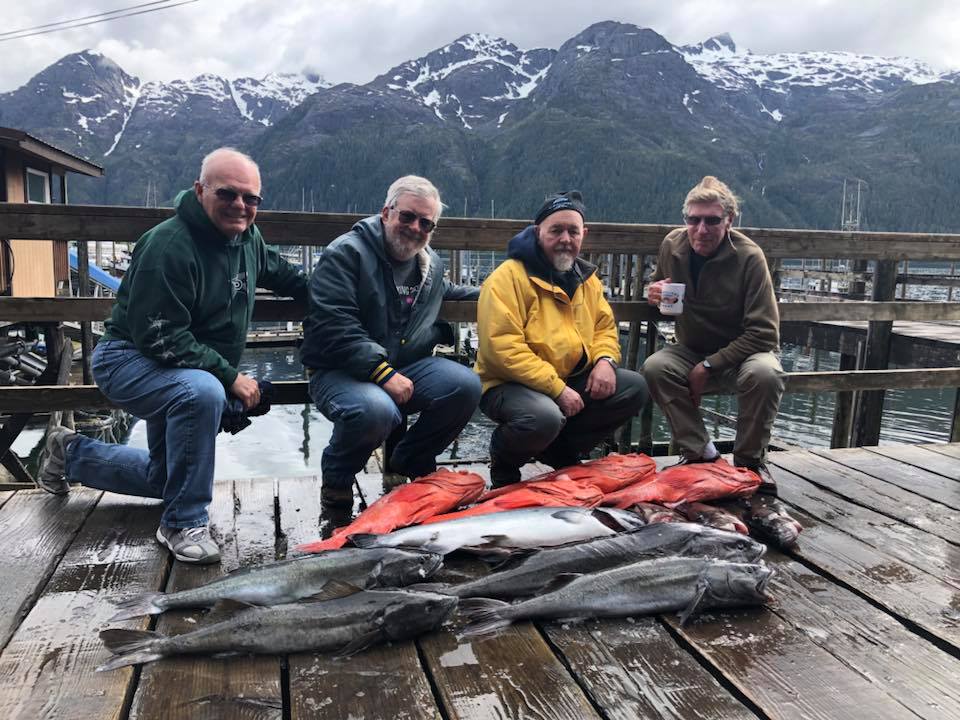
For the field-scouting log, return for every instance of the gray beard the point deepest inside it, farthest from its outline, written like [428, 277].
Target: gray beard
[401, 249]
[563, 263]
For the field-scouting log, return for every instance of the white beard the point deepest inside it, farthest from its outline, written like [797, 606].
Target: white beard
[562, 262]
[402, 248]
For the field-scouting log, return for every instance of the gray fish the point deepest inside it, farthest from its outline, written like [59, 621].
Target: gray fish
[343, 626]
[290, 580]
[499, 533]
[529, 574]
[767, 519]
[649, 587]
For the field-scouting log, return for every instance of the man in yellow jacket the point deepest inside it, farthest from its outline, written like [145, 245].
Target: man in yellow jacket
[549, 348]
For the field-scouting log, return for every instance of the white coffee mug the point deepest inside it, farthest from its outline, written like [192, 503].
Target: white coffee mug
[671, 298]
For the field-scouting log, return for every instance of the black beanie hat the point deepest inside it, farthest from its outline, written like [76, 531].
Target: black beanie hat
[571, 200]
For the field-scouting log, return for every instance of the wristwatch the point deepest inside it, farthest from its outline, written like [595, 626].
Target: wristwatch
[707, 365]
[613, 363]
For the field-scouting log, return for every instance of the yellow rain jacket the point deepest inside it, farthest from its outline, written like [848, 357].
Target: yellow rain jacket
[531, 332]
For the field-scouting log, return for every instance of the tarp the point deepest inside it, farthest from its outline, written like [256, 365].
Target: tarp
[97, 274]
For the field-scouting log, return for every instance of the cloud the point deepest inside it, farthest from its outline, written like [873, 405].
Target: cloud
[357, 40]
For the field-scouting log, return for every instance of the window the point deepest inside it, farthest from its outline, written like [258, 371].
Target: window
[38, 186]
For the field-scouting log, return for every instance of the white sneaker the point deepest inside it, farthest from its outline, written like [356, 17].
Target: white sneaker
[190, 545]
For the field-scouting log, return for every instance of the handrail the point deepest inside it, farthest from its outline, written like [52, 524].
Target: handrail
[46, 398]
[272, 310]
[91, 223]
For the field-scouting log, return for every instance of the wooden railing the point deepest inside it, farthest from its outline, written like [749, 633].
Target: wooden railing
[624, 250]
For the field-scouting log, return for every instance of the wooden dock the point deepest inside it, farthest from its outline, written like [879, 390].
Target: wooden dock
[865, 621]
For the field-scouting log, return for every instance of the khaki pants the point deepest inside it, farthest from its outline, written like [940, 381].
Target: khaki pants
[757, 382]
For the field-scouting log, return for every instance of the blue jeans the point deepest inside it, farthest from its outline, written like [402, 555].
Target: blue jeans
[363, 415]
[182, 409]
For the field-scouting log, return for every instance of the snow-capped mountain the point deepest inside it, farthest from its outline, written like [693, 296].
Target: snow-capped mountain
[614, 108]
[474, 80]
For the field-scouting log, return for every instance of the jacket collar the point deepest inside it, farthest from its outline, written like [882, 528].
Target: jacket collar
[190, 211]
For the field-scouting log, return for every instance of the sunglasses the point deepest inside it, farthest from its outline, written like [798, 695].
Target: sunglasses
[694, 220]
[230, 196]
[407, 217]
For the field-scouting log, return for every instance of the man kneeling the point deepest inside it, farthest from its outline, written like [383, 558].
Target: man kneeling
[549, 348]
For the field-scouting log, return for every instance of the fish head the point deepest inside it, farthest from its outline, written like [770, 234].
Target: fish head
[738, 583]
[725, 545]
[619, 520]
[409, 566]
[415, 613]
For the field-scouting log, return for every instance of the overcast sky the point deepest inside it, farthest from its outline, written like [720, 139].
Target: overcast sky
[355, 40]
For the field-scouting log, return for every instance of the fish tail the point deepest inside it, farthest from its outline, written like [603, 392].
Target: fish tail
[147, 604]
[484, 616]
[131, 647]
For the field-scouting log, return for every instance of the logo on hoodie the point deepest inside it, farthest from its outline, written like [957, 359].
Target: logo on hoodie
[239, 283]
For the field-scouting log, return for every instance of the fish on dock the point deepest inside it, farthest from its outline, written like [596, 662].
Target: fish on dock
[608, 474]
[343, 626]
[713, 516]
[688, 483]
[503, 532]
[559, 492]
[290, 580]
[649, 587]
[408, 504]
[529, 574]
[653, 513]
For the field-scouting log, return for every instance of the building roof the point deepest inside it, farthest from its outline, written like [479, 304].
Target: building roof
[36, 148]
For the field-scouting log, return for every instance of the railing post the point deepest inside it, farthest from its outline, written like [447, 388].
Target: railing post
[866, 429]
[955, 423]
[86, 333]
[843, 411]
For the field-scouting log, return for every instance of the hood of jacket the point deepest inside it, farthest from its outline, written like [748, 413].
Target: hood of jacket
[201, 226]
[525, 248]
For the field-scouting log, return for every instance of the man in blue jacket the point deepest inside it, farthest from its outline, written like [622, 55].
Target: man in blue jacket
[368, 338]
[171, 349]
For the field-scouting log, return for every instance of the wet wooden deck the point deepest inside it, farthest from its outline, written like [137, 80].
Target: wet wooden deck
[866, 622]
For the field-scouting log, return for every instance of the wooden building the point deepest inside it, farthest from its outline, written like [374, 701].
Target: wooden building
[33, 171]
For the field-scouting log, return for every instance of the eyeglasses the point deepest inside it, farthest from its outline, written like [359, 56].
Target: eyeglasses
[408, 216]
[230, 196]
[694, 220]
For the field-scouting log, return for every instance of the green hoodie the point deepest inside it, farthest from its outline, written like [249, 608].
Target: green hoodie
[187, 298]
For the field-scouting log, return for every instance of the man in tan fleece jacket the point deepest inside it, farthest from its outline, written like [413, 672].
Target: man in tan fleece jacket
[727, 335]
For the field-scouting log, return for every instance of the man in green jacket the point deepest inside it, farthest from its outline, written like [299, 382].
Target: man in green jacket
[728, 334]
[171, 349]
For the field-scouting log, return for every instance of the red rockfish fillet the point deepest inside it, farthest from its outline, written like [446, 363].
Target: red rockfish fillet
[688, 483]
[409, 504]
[607, 474]
[541, 493]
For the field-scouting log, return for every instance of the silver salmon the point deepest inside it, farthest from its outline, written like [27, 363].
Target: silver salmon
[686, 585]
[502, 532]
[528, 575]
[291, 580]
[343, 626]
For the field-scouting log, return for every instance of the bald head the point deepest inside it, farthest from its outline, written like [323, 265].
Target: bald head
[229, 190]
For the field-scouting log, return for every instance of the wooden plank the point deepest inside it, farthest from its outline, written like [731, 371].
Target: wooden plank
[4, 496]
[911, 478]
[913, 671]
[242, 520]
[47, 398]
[782, 672]
[126, 224]
[901, 588]
[35, 530]
[922, 457]
[270, 309]
[888, 535]
[635, 669]
[510, 675]
[951, 449]
[48, 666]
[383, 682]
[859, 488]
